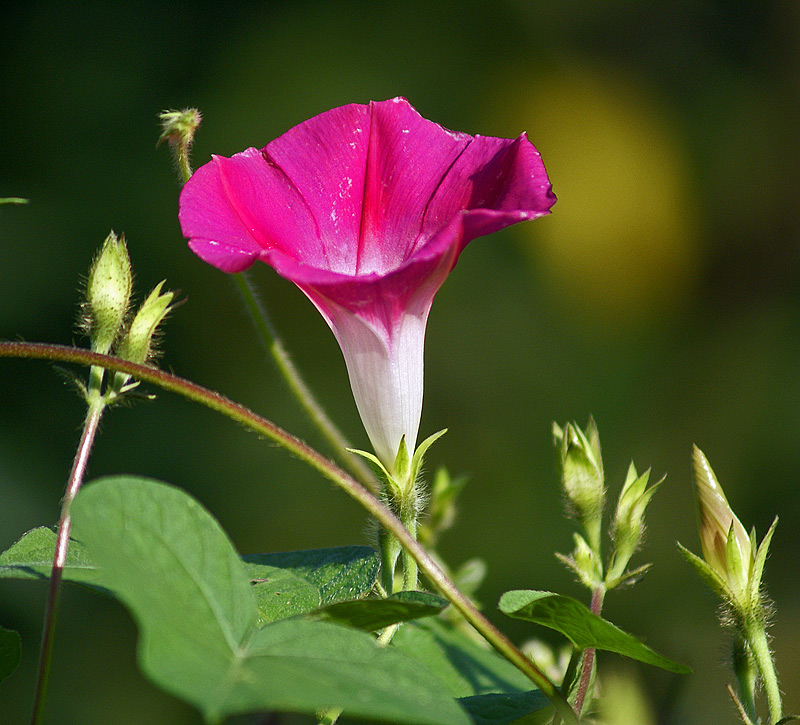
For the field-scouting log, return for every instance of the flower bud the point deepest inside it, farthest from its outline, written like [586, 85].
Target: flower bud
[108, 291]
[581, 467]
[726, 546]
[627, 527]
[137, 346]
[584, 562]
[178, 127]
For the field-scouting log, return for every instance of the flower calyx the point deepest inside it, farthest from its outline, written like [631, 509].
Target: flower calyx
[401, 478]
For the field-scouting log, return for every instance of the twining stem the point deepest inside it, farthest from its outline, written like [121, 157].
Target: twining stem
[327, 468]
[94, 414]
[587, 662]
[756, 634]
[297, 386]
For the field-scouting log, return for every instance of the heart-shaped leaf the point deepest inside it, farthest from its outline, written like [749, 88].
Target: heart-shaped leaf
[173, 566]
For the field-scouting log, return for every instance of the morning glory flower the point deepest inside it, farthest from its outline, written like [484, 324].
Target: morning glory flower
[366, 209]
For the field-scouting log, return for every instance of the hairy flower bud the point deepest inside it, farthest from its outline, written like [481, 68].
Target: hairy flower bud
[178, 127]
[627, 528]
[726, 545]
[138, 343]
[581, 467]
[108, 292]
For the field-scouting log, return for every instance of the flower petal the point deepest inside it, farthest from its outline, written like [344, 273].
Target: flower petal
[496, 182]
[408, 158]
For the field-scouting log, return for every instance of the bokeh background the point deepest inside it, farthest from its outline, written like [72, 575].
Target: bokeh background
[662, 295]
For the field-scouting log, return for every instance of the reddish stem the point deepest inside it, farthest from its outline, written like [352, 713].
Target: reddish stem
[62, 544]
[588, 656]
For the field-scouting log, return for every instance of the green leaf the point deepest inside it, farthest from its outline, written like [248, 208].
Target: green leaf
[32, 558]
[283, 595]
[10, 651]
[173, 566]
[371, 615]
[341, 573]
[519, 707]
[464, 666]
[583, 628]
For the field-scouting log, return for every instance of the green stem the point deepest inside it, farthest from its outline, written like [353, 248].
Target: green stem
[332, 435]
[90, 426]
[408, 515]
[756, 635]
[329, 470]
[389, 549]
[744, 667]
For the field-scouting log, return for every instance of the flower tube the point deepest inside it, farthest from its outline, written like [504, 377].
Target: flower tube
[366, 209]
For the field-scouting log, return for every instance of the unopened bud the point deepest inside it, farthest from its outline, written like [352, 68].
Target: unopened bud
[108, 292]
[178, 127]
[627, 527]
[581, 467]
[727, 548]
[585, 563]
[138, 343]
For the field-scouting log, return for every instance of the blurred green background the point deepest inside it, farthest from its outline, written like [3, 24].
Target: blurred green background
[661, 296]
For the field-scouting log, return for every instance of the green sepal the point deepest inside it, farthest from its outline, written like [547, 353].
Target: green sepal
[373, 459]
[707, 573]
[419, 454]
[760, 560]
[738, 570]
[593, 437]
[402, 464]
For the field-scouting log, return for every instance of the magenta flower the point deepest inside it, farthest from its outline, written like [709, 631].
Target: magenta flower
[366, 209]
